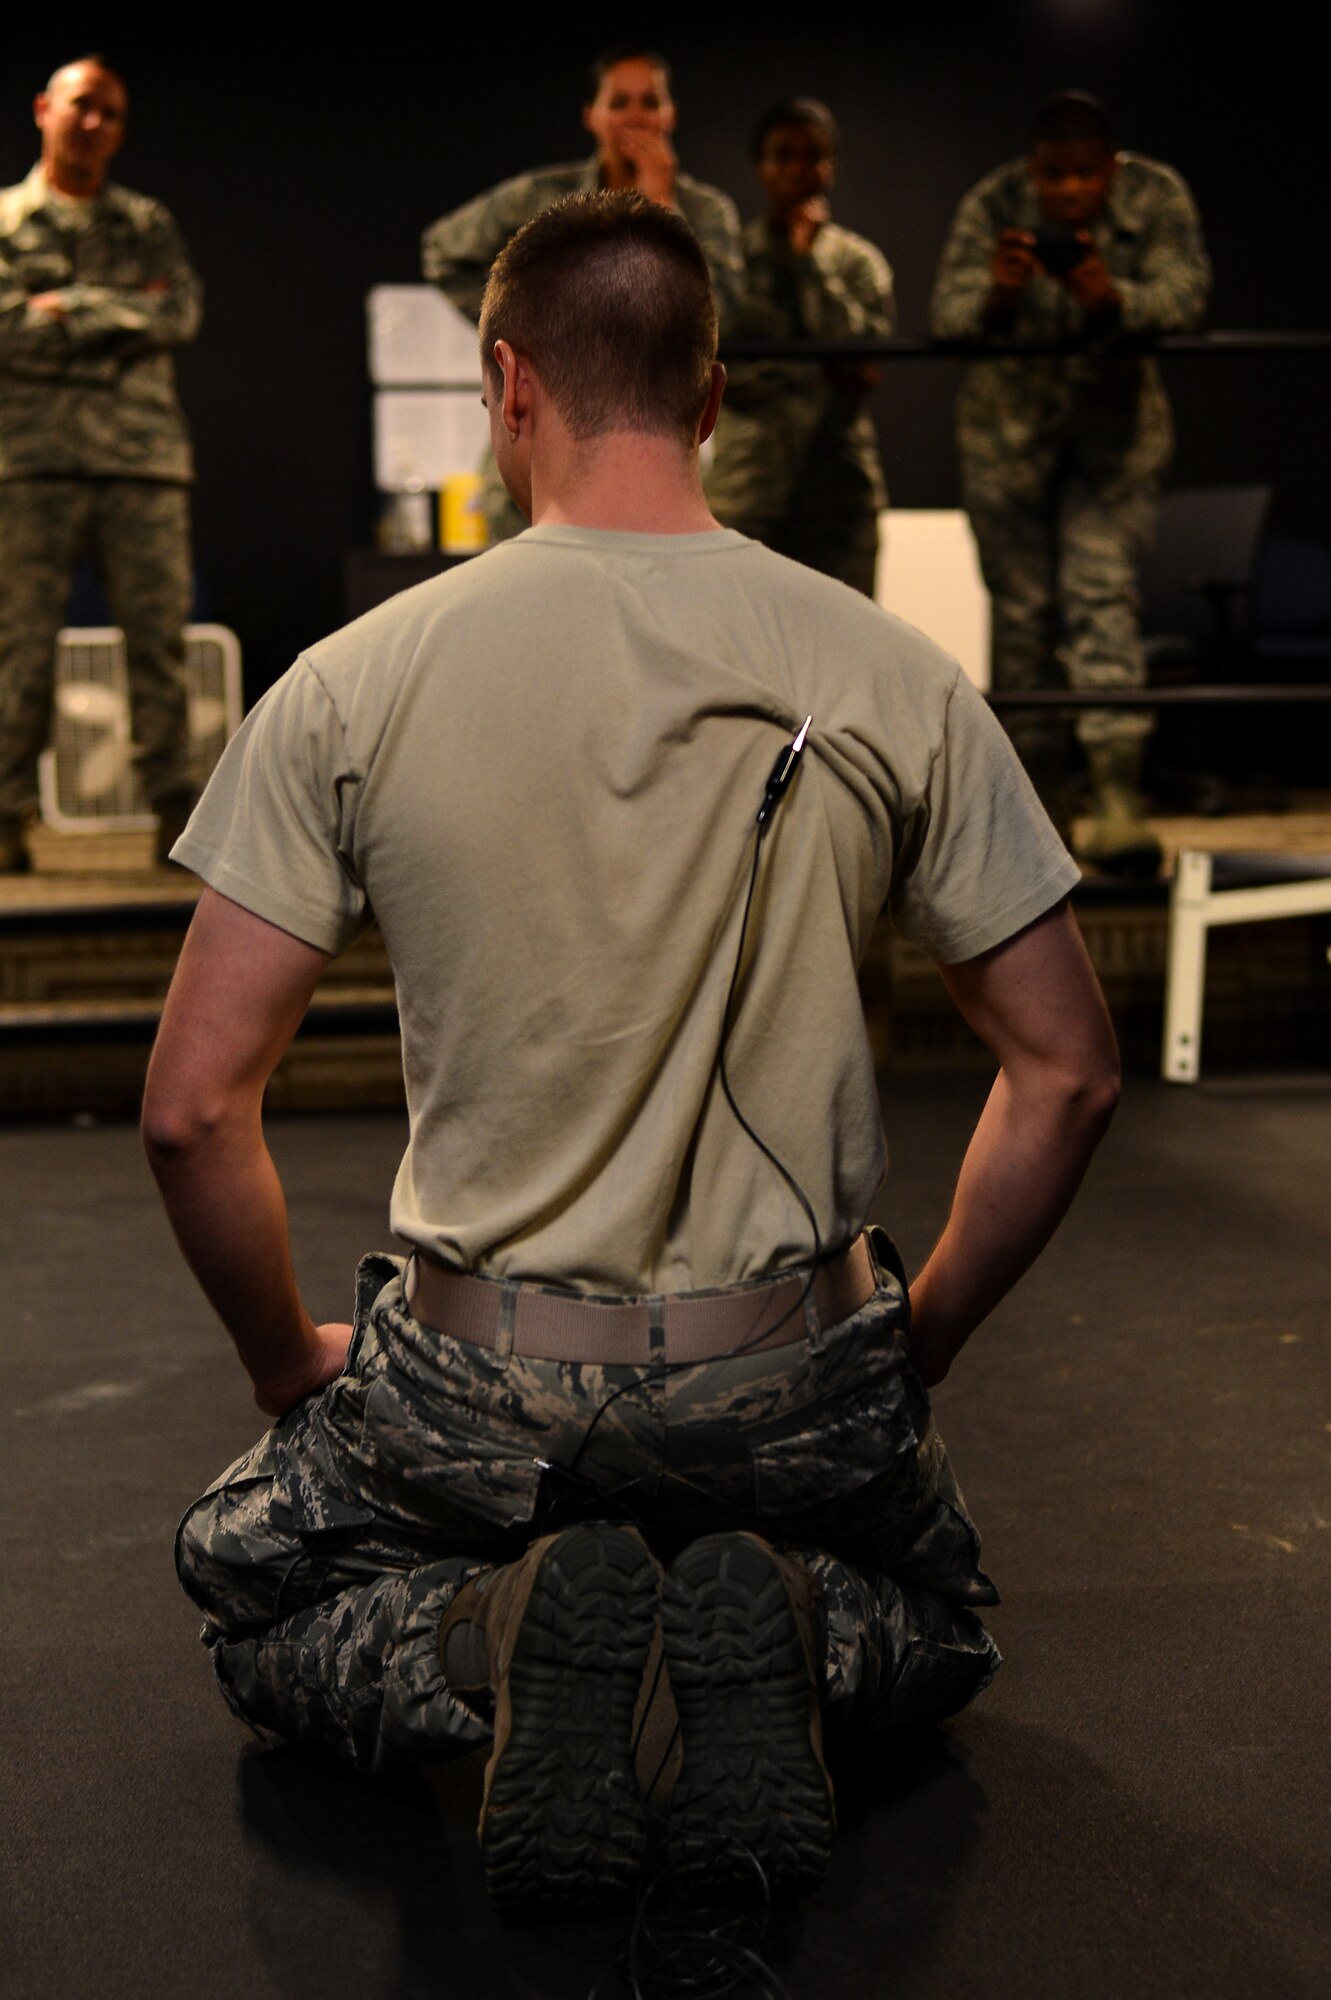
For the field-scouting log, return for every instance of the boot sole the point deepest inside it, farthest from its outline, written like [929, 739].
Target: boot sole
[563, 1826]
[752, 1785]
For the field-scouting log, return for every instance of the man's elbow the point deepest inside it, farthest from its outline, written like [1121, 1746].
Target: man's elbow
[1092, 1090]
[1074, 1089]
[176, 1129]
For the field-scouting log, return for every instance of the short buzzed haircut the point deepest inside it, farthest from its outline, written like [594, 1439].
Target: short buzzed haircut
[609, 297]
[1072, 118]
[795, 111]
[623, 52]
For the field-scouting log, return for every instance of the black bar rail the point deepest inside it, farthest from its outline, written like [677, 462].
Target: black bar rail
[1202, 694]
[908, 347]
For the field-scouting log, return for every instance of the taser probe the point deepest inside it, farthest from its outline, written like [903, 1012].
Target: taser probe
[782, 772]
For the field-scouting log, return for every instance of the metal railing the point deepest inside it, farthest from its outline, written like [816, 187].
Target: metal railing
[911, 347]
[1220, 341]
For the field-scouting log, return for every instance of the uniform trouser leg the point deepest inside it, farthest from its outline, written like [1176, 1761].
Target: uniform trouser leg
[43, 526]
[325, 1558]
[1103, 534]
[845, 548]
[898, 1656]
[831, 521]
[326, 1636]
[1016, 543]
[751, 481]
[810, 504]
[358, 1675]
[141, 536]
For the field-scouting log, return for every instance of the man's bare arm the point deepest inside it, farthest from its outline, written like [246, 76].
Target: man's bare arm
[238, 996]
[1035, 1002]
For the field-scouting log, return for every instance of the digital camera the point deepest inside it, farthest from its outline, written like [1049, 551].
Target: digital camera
[1059, 253]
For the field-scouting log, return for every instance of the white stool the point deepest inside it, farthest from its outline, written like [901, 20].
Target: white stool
[1211, 889]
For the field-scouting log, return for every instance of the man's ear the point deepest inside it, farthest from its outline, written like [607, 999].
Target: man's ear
[515, 403]
[40, 104]
[712, 409]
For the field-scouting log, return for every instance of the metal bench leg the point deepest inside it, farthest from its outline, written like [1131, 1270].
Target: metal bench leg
[1185, 970]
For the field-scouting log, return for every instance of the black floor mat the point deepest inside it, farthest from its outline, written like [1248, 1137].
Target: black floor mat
[1137, 1807]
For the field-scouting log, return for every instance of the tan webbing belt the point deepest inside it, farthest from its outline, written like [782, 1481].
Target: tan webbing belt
[549, 1325]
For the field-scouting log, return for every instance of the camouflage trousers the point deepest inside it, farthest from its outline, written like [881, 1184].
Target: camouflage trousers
[1062, 579]
[324, 1559]
[137, 533]
[844, 546]
[811, 494]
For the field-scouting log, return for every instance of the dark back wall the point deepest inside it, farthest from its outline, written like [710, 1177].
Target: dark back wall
[303, 164]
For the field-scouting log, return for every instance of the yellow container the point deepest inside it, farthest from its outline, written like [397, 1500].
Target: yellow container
[462, 525]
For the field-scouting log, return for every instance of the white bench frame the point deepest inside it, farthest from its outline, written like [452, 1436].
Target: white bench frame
[1196, 908]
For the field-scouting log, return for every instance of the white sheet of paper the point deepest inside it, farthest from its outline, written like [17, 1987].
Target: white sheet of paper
[423, 435]
[417, 337]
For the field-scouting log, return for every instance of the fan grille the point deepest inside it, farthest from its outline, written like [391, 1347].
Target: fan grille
[88, 778]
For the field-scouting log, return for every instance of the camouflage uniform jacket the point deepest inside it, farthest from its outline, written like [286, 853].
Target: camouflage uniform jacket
[1017, 417]
[458, 250]
[840, 290]
[90, 392]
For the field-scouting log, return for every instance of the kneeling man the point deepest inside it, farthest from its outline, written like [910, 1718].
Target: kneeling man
[646, 1390]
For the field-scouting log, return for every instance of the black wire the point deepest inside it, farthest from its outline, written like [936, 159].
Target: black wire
[687, 1951]
[691, 1953]
[759, 1142]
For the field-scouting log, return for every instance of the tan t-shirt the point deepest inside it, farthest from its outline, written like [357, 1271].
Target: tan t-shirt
[541, 773]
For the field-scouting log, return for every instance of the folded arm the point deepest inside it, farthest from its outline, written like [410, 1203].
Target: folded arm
[238, 996]
[458, 250]
[106, 323]
[1036, 1004]
[848, 298]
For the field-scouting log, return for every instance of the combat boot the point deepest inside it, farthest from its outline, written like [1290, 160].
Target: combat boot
[14, 858]
[745, 1639]
[1117, 839]
[559, 1643]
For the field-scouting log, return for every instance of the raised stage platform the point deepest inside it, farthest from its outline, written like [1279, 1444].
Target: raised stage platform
[88, 941]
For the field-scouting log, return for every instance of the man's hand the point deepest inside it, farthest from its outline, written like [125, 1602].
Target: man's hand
[854, 378]
[327, 1361]
[1013, 266]
[54, 302]
[1015, 262]
[1090, 283]
[804, 221]
[654, 164]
